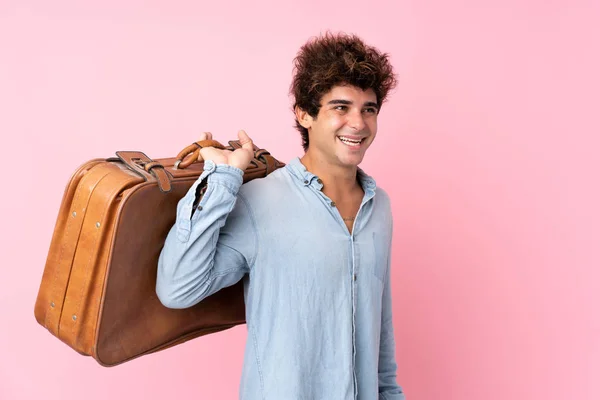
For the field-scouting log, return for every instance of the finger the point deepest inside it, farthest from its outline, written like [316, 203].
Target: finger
[216, 155]
[208, 136]
[245, 140]
[203, 136]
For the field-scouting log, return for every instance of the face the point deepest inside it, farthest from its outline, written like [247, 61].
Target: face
[345, 126]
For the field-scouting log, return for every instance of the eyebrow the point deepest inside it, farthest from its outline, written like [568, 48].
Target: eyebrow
[348, 102]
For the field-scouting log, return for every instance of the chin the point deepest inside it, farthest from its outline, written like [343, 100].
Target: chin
[350, 162]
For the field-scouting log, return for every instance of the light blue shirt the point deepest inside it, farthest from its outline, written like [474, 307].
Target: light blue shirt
[318, 299]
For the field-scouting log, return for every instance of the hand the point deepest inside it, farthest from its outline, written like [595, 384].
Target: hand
[239, 158]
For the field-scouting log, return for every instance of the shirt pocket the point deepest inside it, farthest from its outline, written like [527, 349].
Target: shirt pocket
[381, 253]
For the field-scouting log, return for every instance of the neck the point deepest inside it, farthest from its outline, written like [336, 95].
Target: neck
[337, 180]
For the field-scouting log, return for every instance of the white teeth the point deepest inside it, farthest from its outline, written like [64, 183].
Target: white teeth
[350, 141]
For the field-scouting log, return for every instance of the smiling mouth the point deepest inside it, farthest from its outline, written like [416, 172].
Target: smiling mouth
[351, 142]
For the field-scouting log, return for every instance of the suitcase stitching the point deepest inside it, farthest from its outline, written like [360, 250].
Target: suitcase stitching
[62, 249]
[87, 277]
[60, 256]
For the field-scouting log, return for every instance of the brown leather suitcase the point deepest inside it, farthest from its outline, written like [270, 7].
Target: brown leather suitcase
[98, 287]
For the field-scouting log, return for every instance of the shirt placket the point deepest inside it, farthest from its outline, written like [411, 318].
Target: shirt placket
[355, 257]
[355, 268]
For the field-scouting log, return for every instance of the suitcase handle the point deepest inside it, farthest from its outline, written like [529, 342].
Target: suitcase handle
[191, 153]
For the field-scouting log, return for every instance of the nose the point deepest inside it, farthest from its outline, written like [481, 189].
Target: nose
[356, 120]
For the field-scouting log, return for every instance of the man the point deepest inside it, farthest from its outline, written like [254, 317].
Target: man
[311, 241]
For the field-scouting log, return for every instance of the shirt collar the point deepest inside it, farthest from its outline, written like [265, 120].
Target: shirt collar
[306, 178]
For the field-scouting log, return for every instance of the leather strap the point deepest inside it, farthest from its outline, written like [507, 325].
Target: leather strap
[150, 170]
[266, 157]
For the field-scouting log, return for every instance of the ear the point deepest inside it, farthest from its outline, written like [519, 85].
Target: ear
[303, 118]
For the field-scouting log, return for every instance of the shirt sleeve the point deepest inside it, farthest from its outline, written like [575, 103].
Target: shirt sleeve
[388, 386]
[210, 247]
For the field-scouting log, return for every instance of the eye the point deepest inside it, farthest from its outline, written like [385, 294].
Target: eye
[341, 108]
[370, 110]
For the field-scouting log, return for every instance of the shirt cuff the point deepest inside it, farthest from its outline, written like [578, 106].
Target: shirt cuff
[223, 174]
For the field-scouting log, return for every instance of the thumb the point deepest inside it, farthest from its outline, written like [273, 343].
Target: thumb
[245, 141]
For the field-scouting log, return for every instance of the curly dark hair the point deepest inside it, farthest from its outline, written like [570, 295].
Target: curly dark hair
[335, 59]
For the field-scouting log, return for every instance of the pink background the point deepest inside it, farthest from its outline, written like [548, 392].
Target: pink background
[489, 148]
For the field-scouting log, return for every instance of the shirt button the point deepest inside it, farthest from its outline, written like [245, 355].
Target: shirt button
[319, 181]
[306, 182]
[354, 276]
[332, 204]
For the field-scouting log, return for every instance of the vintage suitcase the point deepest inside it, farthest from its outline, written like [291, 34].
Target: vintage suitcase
[98, 287]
